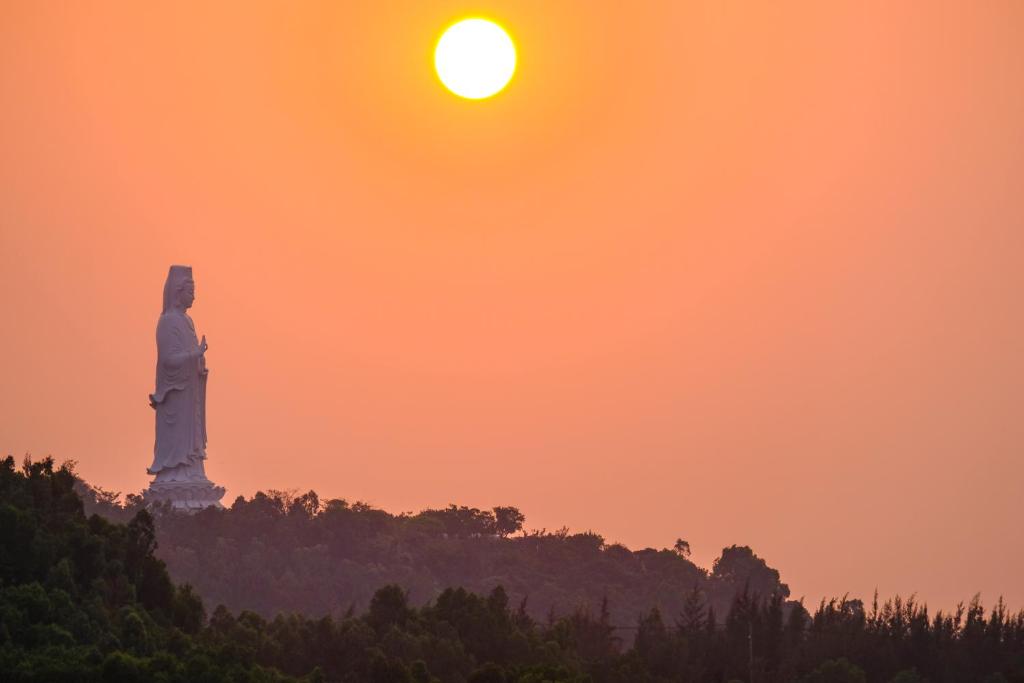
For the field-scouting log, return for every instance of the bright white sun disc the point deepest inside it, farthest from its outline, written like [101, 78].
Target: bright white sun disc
[475, 58]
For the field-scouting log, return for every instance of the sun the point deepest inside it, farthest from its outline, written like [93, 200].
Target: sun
[475, 58]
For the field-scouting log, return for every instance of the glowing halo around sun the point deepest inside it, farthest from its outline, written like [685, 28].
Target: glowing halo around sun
[475, 58]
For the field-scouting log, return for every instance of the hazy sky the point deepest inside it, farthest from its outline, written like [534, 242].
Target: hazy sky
[736, 272]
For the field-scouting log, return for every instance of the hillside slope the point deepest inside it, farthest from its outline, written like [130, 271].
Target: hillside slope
[283, 553]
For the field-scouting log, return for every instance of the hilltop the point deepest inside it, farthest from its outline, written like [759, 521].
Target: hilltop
[281, 552]
[83, 598]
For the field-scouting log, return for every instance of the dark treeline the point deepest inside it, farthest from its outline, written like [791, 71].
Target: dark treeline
[279, 552]
[84, 599]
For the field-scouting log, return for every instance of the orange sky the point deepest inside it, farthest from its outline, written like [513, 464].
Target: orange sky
[737, 272]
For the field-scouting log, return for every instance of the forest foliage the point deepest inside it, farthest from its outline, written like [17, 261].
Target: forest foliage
[283, 552]
[86, 599]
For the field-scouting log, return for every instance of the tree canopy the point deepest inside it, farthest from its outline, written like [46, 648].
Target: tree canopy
[285, 552]
[87, 599]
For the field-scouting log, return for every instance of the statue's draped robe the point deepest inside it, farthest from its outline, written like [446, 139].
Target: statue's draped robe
[180, 398]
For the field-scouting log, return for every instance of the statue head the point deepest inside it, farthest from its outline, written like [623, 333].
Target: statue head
[180, 289]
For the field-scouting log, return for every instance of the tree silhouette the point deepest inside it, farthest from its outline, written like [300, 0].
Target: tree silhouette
[508, 520]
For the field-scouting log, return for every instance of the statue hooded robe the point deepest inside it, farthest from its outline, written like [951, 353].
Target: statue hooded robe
[180, 396]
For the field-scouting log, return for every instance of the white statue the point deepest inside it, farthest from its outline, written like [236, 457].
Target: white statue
[180, 403]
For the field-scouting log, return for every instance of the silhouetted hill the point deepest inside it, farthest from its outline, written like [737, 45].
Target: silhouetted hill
[86, 599]
[278, 552]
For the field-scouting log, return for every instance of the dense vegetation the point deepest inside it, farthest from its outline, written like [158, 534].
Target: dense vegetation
[82, 598]
[279, 552]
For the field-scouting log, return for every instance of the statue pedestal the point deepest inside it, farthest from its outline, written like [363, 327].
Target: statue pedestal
[185, 496]
[185, 487]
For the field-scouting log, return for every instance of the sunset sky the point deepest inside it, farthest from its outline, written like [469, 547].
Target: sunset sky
[733, 272]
